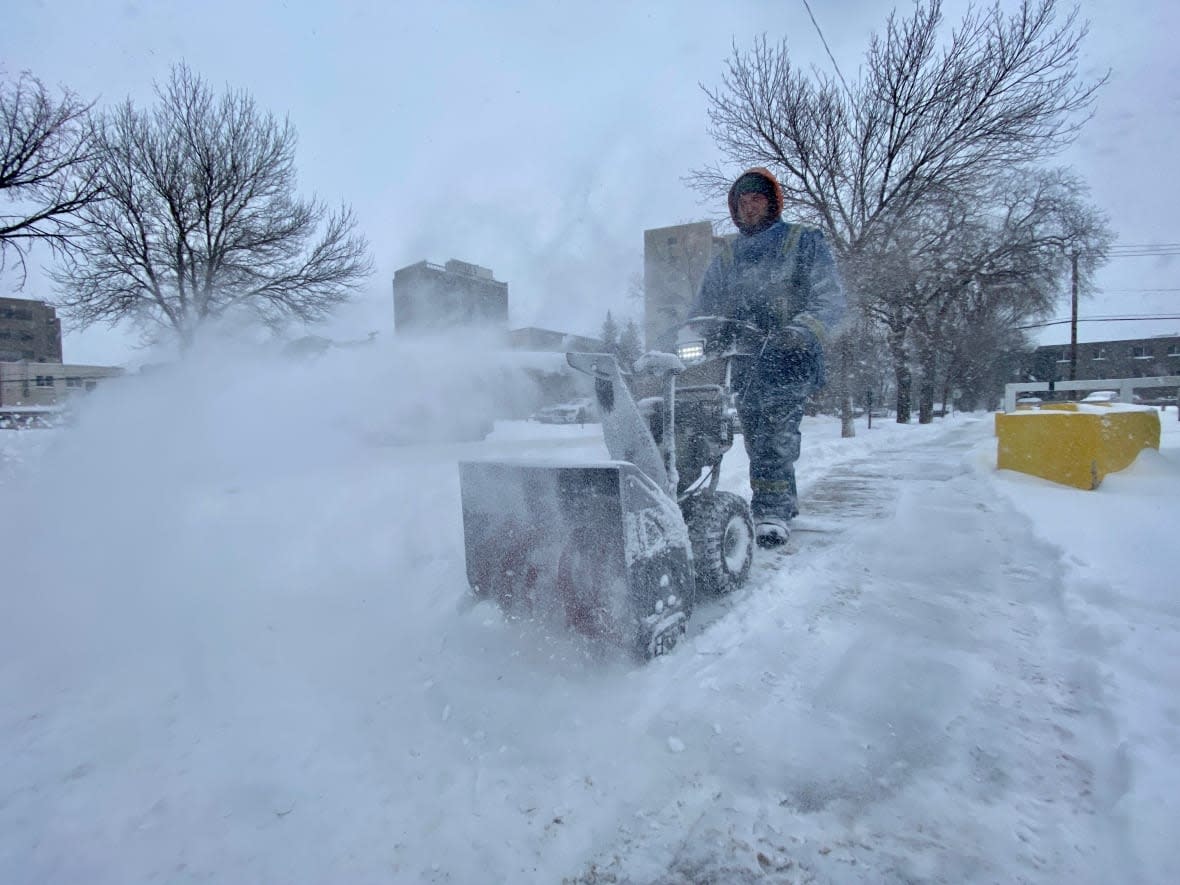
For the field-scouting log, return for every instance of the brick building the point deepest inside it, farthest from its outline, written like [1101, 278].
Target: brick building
[1097, 360]
[27, 383]
[32, 373]
[29, 330]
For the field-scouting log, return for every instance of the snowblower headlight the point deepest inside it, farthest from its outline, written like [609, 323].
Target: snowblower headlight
[691, 350]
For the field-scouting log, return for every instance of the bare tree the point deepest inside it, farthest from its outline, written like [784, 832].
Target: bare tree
[926, 118]
[859, 369]
[1003, 92]
[1003, 260]
[982, 349]
[908, 264]
[46, 175]
[200, 220]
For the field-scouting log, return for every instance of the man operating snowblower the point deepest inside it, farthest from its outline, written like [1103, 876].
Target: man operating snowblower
[619, 550]
[782, 279]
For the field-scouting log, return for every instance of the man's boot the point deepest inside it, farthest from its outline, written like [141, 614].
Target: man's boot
[771, 531]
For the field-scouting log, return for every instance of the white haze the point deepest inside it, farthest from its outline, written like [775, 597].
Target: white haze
[234, 647]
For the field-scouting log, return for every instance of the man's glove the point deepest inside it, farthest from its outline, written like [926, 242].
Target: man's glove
[793, 338]
[794, 354]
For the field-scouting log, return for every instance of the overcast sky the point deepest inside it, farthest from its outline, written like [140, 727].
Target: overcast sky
[541, 138]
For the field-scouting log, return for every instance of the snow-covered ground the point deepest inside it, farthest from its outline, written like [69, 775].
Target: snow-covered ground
[234, 648]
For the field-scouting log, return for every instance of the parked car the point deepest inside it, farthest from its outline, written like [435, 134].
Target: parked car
[1101, 396]
[576, 412]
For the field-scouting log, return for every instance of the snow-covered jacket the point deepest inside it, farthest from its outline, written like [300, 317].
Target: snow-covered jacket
[783, 280]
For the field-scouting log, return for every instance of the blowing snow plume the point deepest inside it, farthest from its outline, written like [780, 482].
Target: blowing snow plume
[215, 577]
[190, 496]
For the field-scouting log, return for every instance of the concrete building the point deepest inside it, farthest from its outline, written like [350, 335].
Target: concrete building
[435, 298]
[29, 330]
[27, 383]
[1154, 357]
[674, 262]
[1128, 358]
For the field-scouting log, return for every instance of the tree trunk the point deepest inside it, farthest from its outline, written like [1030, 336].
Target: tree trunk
[901, 371]
[847, 426]
[928, 360]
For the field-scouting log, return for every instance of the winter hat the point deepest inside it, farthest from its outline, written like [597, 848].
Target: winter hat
[757, 181]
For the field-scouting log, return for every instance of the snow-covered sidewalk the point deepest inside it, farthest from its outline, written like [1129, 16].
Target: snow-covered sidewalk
[915, 698]
[243, 657]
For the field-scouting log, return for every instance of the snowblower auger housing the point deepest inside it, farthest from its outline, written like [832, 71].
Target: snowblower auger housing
[614, 550]
[593, 548]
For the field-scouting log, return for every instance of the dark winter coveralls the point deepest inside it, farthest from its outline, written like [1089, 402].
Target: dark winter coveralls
[781, 278]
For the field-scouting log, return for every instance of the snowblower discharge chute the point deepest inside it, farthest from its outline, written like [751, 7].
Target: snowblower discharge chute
[617, 550]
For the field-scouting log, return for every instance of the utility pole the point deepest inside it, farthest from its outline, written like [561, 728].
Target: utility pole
[1073, 317]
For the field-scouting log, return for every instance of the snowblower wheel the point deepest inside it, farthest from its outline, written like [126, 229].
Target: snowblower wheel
[722, 534]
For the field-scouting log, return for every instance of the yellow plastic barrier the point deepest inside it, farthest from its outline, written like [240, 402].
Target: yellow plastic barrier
[1074, 447]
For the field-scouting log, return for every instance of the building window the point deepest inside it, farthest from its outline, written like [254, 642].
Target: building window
[44, 381]
[1063, 356]
[90, 385]
[73, 382]
[1139, 352]
[1174, 350]
[1100, 353]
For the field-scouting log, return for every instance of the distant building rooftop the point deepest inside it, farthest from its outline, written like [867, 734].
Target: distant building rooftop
[535, 338]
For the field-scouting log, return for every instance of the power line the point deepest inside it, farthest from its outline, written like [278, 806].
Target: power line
[1104, 319]
[827, 49]
[1143, 250]
[1137, 291]
[1144, 254]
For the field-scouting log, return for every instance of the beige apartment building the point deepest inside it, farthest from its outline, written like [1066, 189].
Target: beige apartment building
[674, 263]
[27, 383]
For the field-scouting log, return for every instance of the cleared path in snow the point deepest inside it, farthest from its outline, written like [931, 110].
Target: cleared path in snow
[903, 697]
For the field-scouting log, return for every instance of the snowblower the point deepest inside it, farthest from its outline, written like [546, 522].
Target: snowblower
[618, 551]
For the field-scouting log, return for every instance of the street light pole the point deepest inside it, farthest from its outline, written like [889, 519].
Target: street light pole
[1073, 317]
